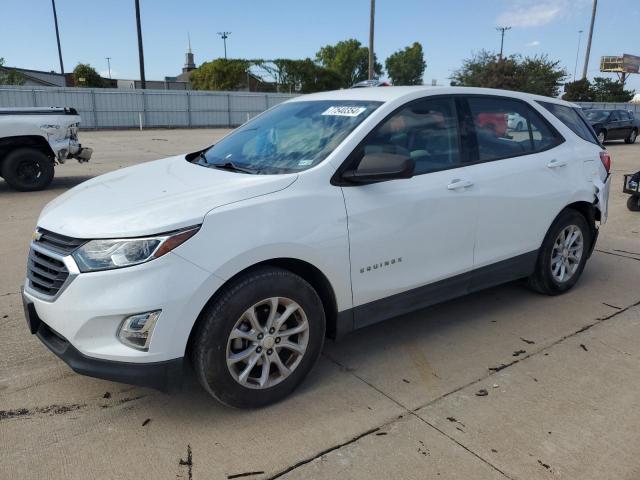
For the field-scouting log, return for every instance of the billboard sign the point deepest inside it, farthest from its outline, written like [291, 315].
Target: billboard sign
[630, 63]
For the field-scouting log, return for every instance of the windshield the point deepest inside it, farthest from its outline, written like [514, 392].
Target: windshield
[595, 116]
[290, 137]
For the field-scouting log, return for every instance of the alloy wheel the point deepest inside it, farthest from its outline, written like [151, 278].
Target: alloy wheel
[567, 252]
[267, 343]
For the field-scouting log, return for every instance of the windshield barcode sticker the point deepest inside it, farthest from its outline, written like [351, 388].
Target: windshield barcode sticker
[344, 111]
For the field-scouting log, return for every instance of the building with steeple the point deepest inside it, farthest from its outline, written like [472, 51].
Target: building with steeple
[189, 64]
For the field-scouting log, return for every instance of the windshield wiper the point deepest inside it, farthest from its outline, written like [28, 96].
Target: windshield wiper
[232, 167]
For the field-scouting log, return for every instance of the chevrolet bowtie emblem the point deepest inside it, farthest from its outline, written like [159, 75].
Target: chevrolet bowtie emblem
[36, 236]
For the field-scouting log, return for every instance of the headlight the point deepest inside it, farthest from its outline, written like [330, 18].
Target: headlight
[125, 252]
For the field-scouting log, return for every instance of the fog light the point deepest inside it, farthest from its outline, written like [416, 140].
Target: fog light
[135, 331]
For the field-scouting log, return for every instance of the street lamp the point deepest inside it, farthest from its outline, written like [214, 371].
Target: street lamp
[224, 36]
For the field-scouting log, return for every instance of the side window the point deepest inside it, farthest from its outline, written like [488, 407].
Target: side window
[508, 128]
[615, 116]
[572, 118]
[426, 130]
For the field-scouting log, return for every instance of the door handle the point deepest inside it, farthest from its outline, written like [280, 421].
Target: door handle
[556, 163]
[457, 184]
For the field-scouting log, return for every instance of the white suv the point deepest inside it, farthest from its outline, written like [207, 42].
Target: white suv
[324, 214]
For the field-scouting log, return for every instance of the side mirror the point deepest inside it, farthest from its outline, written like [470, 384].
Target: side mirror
[380, 167]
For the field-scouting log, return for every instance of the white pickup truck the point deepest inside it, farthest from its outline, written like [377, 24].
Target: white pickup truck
[33, 140]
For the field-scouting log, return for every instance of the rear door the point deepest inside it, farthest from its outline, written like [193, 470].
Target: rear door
[522, 181]
[411, 240]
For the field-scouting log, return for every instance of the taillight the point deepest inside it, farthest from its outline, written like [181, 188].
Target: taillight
[605, 158]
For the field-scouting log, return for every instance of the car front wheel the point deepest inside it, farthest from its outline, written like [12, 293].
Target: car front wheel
[602, 136]
[563, 254]
[261, 337]
[632, 137]
[633, 203]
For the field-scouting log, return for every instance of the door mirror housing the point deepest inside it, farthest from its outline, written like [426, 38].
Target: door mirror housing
[381, 167]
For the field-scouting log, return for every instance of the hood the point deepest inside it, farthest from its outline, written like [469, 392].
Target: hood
[151, 198]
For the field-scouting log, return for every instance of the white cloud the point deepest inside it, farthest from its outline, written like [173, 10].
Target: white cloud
[535, 43]
[532, 13]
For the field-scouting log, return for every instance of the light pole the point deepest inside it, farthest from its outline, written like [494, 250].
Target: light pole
[575, 68]
[224, 36]
[109, 66]
[502, 30]
[55, 21]
[586, 56]
[371, 30]
[143, 82]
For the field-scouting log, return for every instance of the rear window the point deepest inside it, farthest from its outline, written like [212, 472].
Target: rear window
[572, 118]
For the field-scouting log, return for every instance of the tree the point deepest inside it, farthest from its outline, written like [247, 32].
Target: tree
[607, 90]
[84, 75]
[537, 74]
[302, 76]
[349, 59]
[405, 67]
[578, 91]
[10, 77]
[220, 74]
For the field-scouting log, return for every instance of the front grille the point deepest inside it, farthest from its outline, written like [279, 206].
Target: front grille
[57, 243]
[45, 273]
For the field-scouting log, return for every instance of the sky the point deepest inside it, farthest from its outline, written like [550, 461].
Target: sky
[449, 31]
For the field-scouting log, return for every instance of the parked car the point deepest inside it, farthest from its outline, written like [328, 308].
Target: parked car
[33, 140]
[327, 213]
[371, 83]
[516, 122]
[613, 125]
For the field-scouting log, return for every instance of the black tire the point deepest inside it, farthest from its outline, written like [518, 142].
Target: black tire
[602, 136]
[27, 169]
[542, 279]
[633, 203]
[519, 127]
[632, 136]
[208, 349]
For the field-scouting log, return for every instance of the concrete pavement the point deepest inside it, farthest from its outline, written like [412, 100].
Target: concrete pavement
[395, 400]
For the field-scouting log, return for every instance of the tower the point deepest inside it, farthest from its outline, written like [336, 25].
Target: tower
[189, 63]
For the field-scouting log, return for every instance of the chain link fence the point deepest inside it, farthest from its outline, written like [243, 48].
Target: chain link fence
[111, 108]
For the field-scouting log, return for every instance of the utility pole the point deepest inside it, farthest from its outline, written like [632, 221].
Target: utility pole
[143, 82]
[55, 21]
[224, 36]
[502, 30]
[575, 68]
[371, 30]
[586, 57]
[109, 66]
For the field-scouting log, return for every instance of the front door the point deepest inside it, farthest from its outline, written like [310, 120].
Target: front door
[411, 240]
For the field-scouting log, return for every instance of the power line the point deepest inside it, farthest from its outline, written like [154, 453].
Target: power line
[502, 30]
[224, 36]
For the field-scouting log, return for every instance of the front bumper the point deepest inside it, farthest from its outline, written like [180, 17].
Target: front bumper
[165, 376]
[70, 148]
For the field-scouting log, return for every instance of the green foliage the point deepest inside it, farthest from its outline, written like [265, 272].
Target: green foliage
[607, 90]
[84, 75]
[578, 91]
[302, 76]
[601, 90]
[405, 67]
[10, 77]
[220, 74]
[349, 59]
[537, 74]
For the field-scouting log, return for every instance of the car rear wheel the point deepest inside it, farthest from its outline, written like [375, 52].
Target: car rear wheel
[563, 254]
[27, 169]
[633, 203]
[602, 136]
[261, 337]
[632, 137]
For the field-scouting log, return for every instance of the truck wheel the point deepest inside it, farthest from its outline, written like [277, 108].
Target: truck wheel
[563, 254]
[261, 337]
[27, 169]
[633, 203]
[632, 137]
